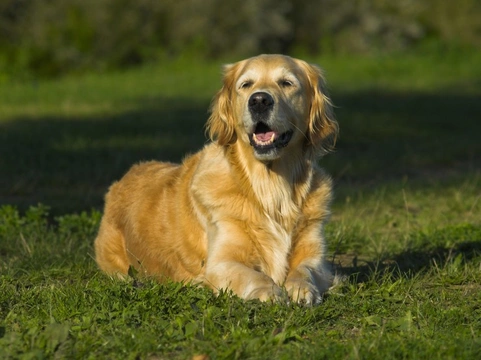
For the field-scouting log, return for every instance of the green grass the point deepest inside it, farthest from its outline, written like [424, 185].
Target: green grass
[405, 233]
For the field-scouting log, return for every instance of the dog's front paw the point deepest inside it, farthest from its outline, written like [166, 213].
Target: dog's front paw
[270, 292]
[303, 291]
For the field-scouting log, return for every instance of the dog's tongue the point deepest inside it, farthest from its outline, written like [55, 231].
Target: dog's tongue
[265, 136]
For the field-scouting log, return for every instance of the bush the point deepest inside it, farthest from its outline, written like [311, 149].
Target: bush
[52, 37]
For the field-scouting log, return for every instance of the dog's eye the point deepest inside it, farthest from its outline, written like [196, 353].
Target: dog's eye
[286, 83]
[246, 85]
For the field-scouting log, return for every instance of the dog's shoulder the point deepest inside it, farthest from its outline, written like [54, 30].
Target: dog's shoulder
[214, 182]
[211, 165]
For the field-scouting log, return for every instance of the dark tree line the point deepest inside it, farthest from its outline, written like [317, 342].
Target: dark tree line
[50, 37]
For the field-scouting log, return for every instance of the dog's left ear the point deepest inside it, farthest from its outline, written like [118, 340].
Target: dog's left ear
[323, 128]
[221, 124]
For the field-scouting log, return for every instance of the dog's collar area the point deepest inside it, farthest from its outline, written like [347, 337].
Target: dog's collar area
[264, 139]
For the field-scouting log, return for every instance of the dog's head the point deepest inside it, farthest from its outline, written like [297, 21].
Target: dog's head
[273, 102]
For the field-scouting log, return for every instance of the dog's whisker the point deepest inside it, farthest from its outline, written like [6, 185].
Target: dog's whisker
[297, 128]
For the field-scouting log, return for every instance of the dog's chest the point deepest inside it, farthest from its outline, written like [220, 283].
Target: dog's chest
[275, 250]
[278, 226]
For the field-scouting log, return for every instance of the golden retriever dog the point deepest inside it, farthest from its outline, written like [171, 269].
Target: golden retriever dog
[245, 213]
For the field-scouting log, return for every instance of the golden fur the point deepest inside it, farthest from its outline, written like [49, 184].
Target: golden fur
[245, 213]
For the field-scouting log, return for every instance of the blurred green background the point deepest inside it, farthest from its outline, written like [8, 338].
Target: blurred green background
[52, 37]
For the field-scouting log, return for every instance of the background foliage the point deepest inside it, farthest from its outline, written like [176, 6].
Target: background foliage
[51, 37]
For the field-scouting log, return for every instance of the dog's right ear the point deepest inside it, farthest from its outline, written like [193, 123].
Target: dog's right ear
[221, 124]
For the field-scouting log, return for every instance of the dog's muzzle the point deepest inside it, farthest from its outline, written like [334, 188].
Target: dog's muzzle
[265, 138]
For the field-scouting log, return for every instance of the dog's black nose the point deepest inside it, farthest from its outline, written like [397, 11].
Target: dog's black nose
[260, 102]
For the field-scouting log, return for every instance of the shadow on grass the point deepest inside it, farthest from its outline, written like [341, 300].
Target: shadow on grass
[386, 135]
[409, 263]
[68, 164]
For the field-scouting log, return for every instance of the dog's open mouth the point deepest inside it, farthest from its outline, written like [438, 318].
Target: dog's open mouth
[264, 138]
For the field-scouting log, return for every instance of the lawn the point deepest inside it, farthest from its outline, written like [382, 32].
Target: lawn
[405, 233]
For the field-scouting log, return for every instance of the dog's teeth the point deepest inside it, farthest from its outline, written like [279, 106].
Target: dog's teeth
[268, 142]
